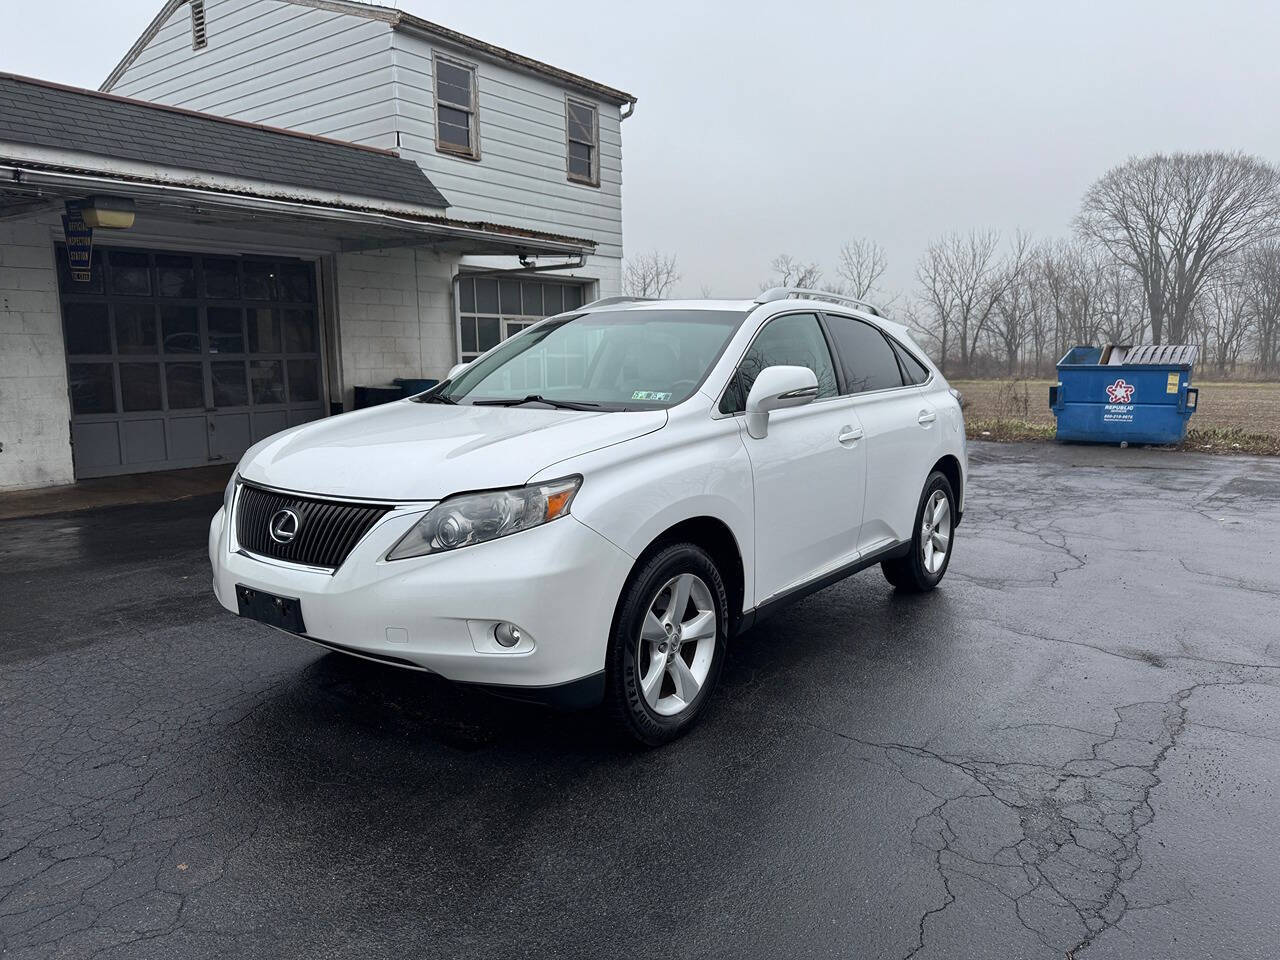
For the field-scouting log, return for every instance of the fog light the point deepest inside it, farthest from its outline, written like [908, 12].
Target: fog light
[507, 634]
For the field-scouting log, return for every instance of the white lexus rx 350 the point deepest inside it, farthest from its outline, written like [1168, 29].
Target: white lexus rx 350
[592, 509]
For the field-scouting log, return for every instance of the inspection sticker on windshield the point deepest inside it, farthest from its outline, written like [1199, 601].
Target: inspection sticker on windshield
[651, 395]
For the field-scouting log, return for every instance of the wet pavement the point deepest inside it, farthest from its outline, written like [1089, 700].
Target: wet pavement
[1071, 749]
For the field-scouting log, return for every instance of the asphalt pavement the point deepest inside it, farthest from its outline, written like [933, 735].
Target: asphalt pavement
[1071, 749]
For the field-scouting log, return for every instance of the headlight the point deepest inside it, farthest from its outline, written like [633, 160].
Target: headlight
[472, 518]
[229, 494]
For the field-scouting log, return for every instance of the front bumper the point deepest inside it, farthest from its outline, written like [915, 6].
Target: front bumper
[559, 583]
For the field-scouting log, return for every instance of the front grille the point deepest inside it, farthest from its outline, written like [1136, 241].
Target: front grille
[327, 531]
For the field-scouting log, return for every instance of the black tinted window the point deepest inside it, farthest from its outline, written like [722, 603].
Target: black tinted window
[795, 340]
[867, 358]
[916, 372]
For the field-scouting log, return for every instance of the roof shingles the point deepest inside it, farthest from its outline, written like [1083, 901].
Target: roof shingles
[40, 114]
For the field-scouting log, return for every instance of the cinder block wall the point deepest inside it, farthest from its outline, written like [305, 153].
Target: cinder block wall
[395, 316]
[34, 411]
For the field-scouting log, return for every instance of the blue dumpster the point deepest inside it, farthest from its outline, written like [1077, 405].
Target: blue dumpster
[1124, 394]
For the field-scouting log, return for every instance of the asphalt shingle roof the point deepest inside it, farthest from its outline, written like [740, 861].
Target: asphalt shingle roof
[36, 113]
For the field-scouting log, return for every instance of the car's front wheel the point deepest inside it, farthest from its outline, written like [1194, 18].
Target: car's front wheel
[926, 563]
[668, 644]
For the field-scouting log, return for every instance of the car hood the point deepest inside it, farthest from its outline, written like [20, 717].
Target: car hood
[426, 451]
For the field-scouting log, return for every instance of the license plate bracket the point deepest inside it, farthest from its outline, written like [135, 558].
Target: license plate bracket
[282, 612]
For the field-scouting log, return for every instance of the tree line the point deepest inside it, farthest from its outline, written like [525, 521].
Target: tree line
[1168, 248]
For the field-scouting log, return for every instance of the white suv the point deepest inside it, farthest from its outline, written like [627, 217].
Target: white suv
[594, 508]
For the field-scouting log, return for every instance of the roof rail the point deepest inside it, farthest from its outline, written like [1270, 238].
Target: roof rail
[787, 293]
[609, 301]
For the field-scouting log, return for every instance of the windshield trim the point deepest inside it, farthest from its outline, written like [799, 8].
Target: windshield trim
[600, 406]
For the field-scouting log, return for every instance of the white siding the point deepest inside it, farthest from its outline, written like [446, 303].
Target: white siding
[275, 63]
[520, 178]
[34, 411]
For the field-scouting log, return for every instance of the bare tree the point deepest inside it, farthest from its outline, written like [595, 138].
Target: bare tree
[964, 278]
[1174, 220]
[862, 264]
[1222, 313]
[649, 275]
[790, 272]
[1262, 294]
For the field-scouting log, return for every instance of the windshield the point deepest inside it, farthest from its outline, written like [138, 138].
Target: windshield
[611, 360]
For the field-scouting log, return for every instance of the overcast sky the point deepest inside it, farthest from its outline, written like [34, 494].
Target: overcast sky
[788, 127]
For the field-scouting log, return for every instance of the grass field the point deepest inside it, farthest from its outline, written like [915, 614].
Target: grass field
[1232, 417]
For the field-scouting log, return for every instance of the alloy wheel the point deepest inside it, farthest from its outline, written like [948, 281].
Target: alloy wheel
[676, 645]
[935, 532]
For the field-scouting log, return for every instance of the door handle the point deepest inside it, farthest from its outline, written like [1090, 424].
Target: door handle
[926, 417]
[849, 435]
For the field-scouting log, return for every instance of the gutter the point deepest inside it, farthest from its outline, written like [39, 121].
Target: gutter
[297, 208]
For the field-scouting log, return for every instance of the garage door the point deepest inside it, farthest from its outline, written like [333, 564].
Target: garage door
[182, 359]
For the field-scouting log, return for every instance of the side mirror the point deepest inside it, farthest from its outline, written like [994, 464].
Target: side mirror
[777, 388]
[456, 369]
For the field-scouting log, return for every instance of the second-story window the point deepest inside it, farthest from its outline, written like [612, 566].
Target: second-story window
[583, 143]
[456, 131]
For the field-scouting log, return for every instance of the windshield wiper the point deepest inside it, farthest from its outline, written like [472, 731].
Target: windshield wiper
[536, 398]
[436, 398]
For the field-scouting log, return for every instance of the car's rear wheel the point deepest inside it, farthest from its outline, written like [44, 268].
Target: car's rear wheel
[668, 644]
[926, 563]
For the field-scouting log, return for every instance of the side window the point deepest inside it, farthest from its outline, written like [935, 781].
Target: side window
[455, 89]
[795, 340]
[868, 361]
[916, 372]
[582, 126]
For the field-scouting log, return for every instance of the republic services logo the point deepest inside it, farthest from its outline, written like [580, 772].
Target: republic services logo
[1120, 392]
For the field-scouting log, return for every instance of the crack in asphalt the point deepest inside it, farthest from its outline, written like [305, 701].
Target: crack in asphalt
[1067, 835]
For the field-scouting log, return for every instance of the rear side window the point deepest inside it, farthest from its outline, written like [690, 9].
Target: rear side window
[795, 340]
[912, 369]
[868, 361]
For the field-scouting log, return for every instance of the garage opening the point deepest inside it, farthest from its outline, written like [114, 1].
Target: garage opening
[183, 359]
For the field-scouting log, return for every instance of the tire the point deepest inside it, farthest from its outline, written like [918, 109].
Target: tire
[646, 690]
[920, 571]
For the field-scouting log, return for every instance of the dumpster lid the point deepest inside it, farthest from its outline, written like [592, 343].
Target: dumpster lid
[1150, 354]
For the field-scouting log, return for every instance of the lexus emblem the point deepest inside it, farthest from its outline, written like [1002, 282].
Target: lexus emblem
[284, 526]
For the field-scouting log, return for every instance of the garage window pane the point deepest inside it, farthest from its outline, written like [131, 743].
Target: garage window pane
[175, 276]
[221, 279]
[93, 388]
[469, 335]
[140, 386]
[226, 330]
[572, 298]
[264, 331]
[130, 273]
[299, 331]
[259, 280]
[532, 299]
[136, 329]
[267, 379]
[296, 283]
[229, 386]
[509, 291]
[553, 296]
[304, 381]
[488, 333]
[467, 296]
[87, 330]
[181, 329]
[486, 296]
[185, 382]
